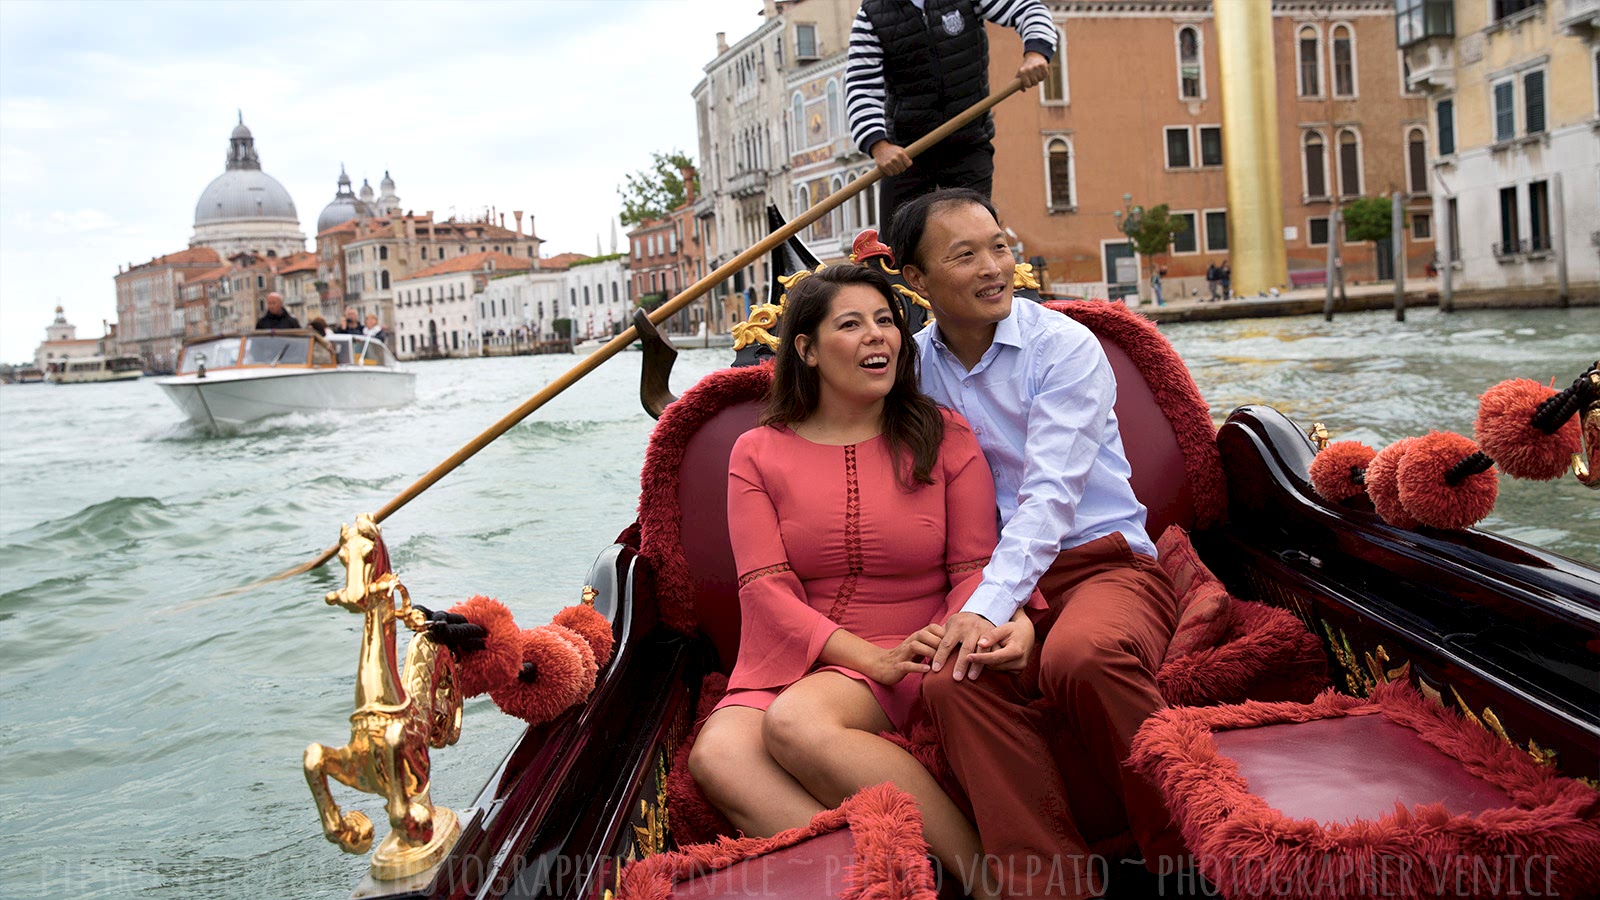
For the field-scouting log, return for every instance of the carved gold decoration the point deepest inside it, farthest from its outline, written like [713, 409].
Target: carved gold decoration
[1318, 433]
[1022, 276]
[397, 718]
[887, 270]
[1356, 678]
[589, 594]
[1586, 463]
[760, 327]
[914, 297]
[650, 837]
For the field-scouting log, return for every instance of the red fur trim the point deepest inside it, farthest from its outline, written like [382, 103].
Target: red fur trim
[588, 669]
[559, 683]
[593, 627]
[890, 854]
[1267, 654]
[694, 819]
[1521, 450]
[501, 657]
[1425, 494]
[660, 537]
[1332, 472]
[1383, 484]
[1174, 390]
[1224, 823]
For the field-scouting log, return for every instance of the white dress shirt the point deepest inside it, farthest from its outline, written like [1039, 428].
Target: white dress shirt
[1040, 402]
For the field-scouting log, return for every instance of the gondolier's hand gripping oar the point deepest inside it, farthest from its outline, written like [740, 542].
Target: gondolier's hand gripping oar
[661, 314]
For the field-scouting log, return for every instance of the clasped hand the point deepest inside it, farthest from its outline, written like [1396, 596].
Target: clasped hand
[976, 642]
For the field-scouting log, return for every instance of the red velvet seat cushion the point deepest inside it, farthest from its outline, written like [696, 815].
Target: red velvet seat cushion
[1391, 796]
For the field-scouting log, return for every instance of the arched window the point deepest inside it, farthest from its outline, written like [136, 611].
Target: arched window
[1309, 55]
[383, 279]
[1054, 87]
[1191, 83]
[852, 219]
[834, 127]
[799, 121]
[383, 252]
[1316, 165]
[802, 199]
[1417, 160]
[1349, 163]
[1058, 173]
[1344, 61]
[836, 217]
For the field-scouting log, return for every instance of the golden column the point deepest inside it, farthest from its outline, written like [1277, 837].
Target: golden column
[1250, 141]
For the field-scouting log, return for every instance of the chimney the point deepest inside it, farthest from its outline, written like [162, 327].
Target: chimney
[722, 42]
[429, 215]
[502, 220]
[531, 232]
[687, 174]
[516, 215]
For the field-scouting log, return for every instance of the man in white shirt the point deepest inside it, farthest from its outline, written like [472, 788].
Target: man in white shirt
[1038, 391]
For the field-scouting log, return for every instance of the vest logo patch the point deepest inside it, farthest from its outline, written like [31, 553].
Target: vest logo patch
[953, 23]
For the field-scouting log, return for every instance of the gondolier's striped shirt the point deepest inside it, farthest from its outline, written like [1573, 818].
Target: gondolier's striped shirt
[864, 82]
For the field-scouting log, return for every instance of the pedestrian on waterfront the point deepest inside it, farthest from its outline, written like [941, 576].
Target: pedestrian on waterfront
[1225, 275]
[1155, 284]
[1038, 390]
[916, 64]
[1213, 282]
[374, 330]
[351, 323]
[820, 675]
[276, 318]
[320, 326]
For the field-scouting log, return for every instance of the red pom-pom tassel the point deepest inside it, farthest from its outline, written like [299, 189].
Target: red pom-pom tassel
[556, 684]
[1507, 435]
[1383, 485]
[501, 656]
[593, 627]
[1424, 477]
[1335, 471]
[587, 670]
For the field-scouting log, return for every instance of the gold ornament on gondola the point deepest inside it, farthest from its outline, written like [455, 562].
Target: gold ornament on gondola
[1022, 277]
[760, 327]
[399, 715]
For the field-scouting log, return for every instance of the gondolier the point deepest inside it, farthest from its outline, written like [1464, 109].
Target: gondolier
[916, 63]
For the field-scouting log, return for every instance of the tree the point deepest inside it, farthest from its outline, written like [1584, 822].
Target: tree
[652, 193]
[1370, 219]
[562, 328]
[1152, 233]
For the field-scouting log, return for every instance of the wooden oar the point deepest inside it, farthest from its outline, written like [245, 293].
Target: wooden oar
[661, 314]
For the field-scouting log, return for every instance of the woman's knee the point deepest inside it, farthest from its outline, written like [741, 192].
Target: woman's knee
[721, 756]
[796, 732]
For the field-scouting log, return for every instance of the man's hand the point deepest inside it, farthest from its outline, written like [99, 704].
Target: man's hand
[961, 634]
[896, 663]
[892, 158]
[1006, 649]
[1034, 69]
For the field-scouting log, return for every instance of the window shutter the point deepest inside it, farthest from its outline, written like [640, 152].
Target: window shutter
[1533, 101]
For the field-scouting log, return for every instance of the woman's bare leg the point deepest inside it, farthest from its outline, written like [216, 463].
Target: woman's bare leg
[730, 762]
[824, 731]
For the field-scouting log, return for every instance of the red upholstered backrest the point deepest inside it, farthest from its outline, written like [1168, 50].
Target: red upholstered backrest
[1166, 432]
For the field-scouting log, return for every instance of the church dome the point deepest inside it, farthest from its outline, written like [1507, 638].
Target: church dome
[344, 206]
[243, 191]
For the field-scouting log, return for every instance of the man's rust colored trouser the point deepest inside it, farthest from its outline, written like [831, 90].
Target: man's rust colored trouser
[1097, 649]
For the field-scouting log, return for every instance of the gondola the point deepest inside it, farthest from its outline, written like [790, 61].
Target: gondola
[1356, 650]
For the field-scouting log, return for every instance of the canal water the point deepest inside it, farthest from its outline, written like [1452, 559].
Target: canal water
[150, 736]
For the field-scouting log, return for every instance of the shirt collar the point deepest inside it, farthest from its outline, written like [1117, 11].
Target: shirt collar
[1007, 331]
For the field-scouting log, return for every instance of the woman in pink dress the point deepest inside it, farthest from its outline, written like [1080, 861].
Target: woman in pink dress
[861, 515]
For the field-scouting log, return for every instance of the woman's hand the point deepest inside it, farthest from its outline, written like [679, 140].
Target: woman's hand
[895, 663]
[1007, 647]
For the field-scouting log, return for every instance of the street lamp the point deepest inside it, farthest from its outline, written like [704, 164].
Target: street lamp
[1129, 217]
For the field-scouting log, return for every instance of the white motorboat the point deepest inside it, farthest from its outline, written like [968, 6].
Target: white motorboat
[89, 369]
[228, 381]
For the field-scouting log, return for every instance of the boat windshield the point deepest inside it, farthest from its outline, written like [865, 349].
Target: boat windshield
[341, 349]
[372, 353]
[272, 350]
[322, 354]
[218, 355]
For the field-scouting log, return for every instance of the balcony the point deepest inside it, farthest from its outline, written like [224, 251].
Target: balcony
[1431, 65]
[1580, 18]
[748, 183]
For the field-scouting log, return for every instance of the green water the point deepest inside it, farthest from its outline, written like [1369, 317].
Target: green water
[150, 739]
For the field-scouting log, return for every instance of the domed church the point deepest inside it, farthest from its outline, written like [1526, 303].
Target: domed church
[245, 210]
[345, 205]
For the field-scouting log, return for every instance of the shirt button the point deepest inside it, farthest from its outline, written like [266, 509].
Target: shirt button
[977, 430]
[968, 382]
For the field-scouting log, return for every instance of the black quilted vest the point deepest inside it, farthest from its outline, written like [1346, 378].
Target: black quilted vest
[930, 75]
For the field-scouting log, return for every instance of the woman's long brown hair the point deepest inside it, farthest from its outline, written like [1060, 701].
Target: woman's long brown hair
[912, 423]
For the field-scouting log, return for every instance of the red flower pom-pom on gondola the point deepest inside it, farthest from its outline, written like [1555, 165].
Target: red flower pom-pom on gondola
[592, 626]
[1445, 482]
[555, 680]
[1507, 434]
[1339, 471]
[1383, 485]
[501, 657]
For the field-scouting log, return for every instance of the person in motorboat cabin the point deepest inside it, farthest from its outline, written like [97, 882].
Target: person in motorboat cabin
[374, 330]
[275, 317]
[1038, 391]
[865, 514]
[351, 323]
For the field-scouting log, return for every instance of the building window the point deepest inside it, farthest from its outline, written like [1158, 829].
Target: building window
[1539, 216]
[1344, 61]
[1210, 145]
[424, 252]
[799, 121]
[1505, 111]
[805, 42]
[1187, 240]
[1349, 163]
[1216, 230]
[1317, 231]
[1504, 8]
[1309, 49]
[1509, 236]
[834, 127]
[1445, 112]
[836, 215]
[1316, 165]
[1417, 20]
[1054, 87]
[383, 252]
[1058, 173]
[1417, 160]
[1178, 153]
[1533, 102]
[1191, 77]
[1421, 226]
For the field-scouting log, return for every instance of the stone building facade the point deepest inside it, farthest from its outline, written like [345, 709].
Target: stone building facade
[599, 295]
[435, 309]
[150, 322]
[245, 210]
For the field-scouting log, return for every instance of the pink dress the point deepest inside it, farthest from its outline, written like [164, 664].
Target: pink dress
[824, 537]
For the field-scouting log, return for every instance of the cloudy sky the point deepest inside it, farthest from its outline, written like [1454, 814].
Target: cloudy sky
[114, 117]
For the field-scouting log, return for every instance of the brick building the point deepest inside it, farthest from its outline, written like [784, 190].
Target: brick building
[149, 317]
[668, 254]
